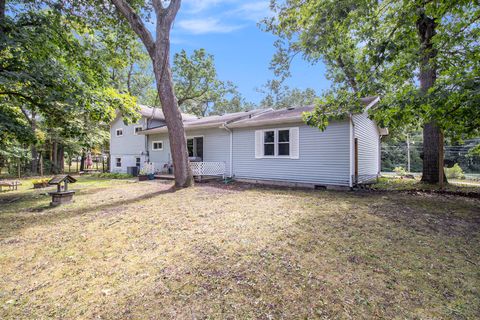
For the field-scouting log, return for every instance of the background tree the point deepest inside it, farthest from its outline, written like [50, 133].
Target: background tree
[52, 73]
[278, 96]
[420, 56]
[159, 51]
[198, 89]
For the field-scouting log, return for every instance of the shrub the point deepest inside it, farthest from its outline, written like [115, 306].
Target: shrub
[400, 171]
[454, 172]
[113, 175]
[41, 181]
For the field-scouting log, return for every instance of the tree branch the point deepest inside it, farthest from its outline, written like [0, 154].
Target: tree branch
[137, 25]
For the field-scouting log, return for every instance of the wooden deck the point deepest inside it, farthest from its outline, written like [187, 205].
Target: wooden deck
[165, 176]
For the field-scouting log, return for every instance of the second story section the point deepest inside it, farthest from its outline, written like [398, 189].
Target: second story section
[126, 139]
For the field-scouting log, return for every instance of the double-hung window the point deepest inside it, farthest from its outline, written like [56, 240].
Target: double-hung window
[269, 143]
[277, 143]
[119, 132]
[157, 145]
[118, 162]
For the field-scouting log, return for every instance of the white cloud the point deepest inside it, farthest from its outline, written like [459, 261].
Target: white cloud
[207, 25]
[255, 11]
[197, 6]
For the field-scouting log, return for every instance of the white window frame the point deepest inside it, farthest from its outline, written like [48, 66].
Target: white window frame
[275, 143]
[116, 132]
[194, 145]
[135, 129]
[292, 155]
[116, 162]
[139, 162]
[153, 145]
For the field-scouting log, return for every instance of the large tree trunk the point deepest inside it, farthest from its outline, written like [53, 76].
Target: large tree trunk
[432, 134]
[33, 148]
[3, 4]
[60, 165]
[159, 51]
[82, 161]
[173, 116]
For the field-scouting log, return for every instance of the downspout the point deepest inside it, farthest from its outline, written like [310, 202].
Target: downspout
[224, 126]
[352, 151]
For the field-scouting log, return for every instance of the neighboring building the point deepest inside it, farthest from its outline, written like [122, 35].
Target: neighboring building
[273, 146]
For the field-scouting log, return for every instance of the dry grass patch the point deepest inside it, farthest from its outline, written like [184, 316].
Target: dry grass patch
[139, 250]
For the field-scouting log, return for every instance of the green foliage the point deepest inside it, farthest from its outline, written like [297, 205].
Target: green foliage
[40, 181]
[372, 48]
[112, 175]
[400, 171]
[198, 89]
[454, 172]
[278, 96]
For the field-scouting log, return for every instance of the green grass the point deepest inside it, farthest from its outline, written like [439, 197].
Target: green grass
[399, 184]
[138, 250]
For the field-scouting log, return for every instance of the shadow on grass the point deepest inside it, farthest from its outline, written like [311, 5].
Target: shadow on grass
[45, 214]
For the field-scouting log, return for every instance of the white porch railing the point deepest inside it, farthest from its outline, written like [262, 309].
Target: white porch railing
[208, 168]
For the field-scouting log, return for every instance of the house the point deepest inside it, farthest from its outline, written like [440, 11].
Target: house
[272, 146]
[127, 146]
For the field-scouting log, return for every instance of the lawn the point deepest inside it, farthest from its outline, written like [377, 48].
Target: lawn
[135, 250]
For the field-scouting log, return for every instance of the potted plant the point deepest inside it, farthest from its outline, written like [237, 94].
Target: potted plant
[147, 172]
[143, 175]
[40, 183]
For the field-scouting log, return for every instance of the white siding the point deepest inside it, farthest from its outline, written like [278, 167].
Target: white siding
[366, 131]
[128, 147]
[324, 157]
[216, 147]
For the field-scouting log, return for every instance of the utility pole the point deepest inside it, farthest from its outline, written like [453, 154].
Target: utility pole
[408, 153]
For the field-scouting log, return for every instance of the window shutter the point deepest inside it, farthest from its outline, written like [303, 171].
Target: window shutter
[294, 143]
[258, 144]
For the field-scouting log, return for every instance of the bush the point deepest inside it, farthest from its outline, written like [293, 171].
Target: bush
[454, 172]
[112, 175]
[41, 181]
[400, 171]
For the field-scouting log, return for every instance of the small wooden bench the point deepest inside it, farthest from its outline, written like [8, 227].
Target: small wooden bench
[12, 185]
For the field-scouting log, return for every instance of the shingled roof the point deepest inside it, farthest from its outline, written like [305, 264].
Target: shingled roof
[212, 121]
[157, 113]
[288, 115]
[249, 118]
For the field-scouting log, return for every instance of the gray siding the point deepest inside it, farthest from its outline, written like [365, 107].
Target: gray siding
[216, 147]
[324, 157]
[128, 147]
[366, 131]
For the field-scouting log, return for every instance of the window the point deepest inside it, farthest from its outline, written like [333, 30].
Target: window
[118, 162]
[138, 161]
[195, 147]
[283, 142]
[157, 145]
[137, 129]
[119, 132]
[277, 143]
[269, 143]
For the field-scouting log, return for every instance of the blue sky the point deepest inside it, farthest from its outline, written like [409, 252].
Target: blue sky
[228, 30]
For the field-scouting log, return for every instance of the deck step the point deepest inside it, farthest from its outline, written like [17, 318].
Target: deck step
[165, 176]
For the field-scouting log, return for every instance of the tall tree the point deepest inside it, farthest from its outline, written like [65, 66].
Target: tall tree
[53, 70]
[198, 89]
[421, 56]
[159, 51]
[278, 96]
